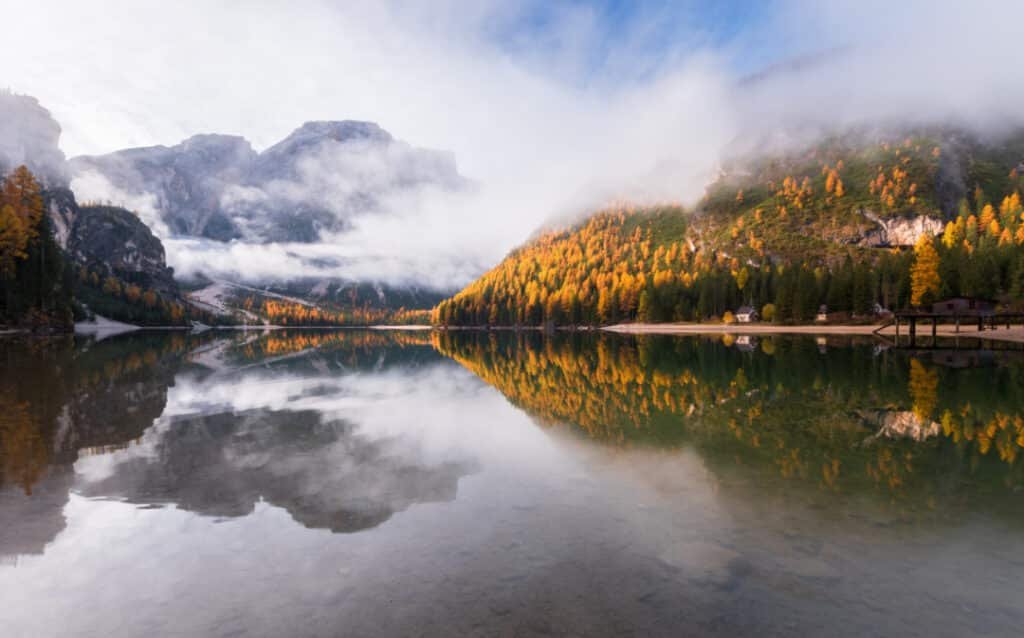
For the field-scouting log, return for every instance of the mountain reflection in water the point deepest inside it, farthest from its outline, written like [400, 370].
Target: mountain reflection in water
[217, 448]
[718, 485]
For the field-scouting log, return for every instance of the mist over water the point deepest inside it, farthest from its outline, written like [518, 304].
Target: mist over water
[368, 483]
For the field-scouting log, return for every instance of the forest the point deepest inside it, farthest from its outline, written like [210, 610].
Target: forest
[280, 312]
[786, 238]
[35, 280]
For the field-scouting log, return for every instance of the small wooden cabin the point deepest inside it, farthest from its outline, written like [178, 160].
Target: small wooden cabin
[964, 306]
[746, 314]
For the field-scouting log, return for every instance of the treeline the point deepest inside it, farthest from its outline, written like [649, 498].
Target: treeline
[115, 298]
[354, 347]
[287, 313]
[35, 282]
[642, 266]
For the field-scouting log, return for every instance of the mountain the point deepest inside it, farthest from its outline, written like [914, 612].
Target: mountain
[208, 189]
[60, 256]
[307, 188]
[829, 223]
[309, 184]
[29, 136]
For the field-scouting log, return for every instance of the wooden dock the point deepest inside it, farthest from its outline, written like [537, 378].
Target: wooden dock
[981, 319]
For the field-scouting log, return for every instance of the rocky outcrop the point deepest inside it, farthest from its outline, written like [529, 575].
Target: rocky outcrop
[29, 135]
[217, 187]
[113, 241]
[899, 231]
[62, 210]
[110, 241]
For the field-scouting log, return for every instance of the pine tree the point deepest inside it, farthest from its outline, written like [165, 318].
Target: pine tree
[784, 295]
[863, 293]
[1017, 279]
[805, 303]
[840, 289]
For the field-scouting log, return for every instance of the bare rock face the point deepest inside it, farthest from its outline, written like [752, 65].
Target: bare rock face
[62, 210]
[29, 135]
[900, 231]
[184, 182]
[313, 181]
[113, 241]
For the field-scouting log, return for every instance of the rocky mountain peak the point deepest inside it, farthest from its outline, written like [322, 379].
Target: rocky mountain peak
[29, 135]
[216, 146]
[312, 181]
[279, 161]
[338, 130]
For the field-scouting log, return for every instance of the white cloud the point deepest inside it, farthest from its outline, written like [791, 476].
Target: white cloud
[93, 188]
[539, 135]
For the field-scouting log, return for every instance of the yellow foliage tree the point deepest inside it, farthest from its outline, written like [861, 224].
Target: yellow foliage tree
[952, 235]
[21, 209]
[13, 240]
[987, 215]
[924, 275]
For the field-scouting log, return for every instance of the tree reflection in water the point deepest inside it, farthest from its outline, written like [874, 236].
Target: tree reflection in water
[841, 415]
[837, 415]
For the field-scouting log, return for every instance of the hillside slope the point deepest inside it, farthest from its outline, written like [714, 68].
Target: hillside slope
[823, 225]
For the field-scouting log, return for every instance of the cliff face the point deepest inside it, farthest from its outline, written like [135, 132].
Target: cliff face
[113, 241]
[110, 241]
[62, 209]
[29, 135]
[899, 231]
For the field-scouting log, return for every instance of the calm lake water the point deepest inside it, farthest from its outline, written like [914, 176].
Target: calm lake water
[356, 483]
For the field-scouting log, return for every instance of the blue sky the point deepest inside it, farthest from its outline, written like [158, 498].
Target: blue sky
[748, 35]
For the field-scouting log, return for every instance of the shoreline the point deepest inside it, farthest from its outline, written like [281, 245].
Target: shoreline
[1014, 334]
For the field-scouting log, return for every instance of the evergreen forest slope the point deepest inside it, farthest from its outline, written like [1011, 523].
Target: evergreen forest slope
[835, 224]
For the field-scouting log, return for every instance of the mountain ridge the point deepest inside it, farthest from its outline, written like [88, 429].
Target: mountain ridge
[309, 183]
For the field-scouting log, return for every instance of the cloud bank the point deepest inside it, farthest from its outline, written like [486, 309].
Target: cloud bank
[547, 120]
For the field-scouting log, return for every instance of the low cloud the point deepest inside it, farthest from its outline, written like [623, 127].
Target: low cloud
[92, 187]
[565, 125]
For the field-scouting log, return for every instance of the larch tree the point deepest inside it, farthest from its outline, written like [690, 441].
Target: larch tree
[13, 239]
[925, 282]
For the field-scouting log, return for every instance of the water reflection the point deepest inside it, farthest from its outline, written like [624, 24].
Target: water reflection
[324, 474]
[369, 483]
[212, 424]
[850, 419]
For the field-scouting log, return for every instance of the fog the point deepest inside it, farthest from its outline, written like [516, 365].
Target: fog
[546, 122]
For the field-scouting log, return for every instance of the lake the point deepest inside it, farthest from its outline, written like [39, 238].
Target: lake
[365, 483]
